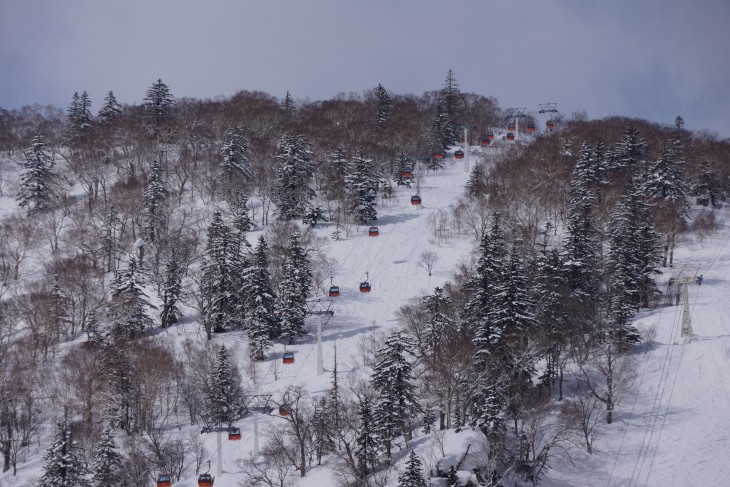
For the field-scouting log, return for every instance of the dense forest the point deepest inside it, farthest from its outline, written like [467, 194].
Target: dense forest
[132, 221]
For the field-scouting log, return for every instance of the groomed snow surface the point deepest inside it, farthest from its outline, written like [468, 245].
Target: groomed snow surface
[671, 430]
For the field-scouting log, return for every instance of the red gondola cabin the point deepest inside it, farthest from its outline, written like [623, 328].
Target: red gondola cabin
[234, 434]
[334, 291]
[364, 287]
[486, 141]
[283, 411]
[490, 134]
[288, 358]
[373, 232]
[164, 481]
[205, 480]
[511, 126]
[550, 125]
[530, 127]
[415, 200]
[510, 136]
[459, 154]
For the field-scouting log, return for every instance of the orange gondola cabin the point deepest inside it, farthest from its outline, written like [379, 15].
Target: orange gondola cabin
[510, 136]
[373, 232]
[234, 434]
[459, 154]
[164, 481]
[288, 358]
[205, 480]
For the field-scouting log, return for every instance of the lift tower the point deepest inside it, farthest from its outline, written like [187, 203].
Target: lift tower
[549, 107]
[685, 276]
[517, 114]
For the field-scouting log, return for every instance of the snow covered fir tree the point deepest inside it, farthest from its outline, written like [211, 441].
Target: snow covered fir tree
[178, 270]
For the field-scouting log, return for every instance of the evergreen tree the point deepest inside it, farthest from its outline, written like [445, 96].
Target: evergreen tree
[633, 258]
[108, 461]
[384, 105]
[437, 320]
[334, 174]
[412, 476]
[158, 105]
[680, 144]
[451, 104]
[580, 248]
[323, 435]
[707, 186]
[290, 110]
[403, 165]
[333, 402]
[38, 181]
[236, 154]
[171, 289]
[491, 410]
[393, 379]
[293, 291]
[79, 118]
[220, 283]
[84, 118]
[452, 480]
[72, 113]
[666, 180]
[361, 184]
[262, 326]
[489, 275]
[366, 452]
[313, 215]
[476, 184]
[512, 315]
[65, 465]
[550, 293]
[630, 151]
[224, 394]
[242, 221]
[292, 190]
[58, 314]
[122, 392]
[129, 303]
[155, 199]
[110, 110]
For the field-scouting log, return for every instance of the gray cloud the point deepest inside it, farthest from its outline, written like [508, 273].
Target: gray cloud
[652, 59]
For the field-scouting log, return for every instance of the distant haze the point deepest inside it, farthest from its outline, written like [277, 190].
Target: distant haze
[652, 59]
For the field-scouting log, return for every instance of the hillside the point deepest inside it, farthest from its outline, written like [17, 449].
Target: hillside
[534, 354]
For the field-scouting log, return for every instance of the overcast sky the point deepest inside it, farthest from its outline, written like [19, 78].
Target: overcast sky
[652, 59]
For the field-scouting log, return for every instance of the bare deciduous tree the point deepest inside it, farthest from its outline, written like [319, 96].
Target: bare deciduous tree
[428, 260]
